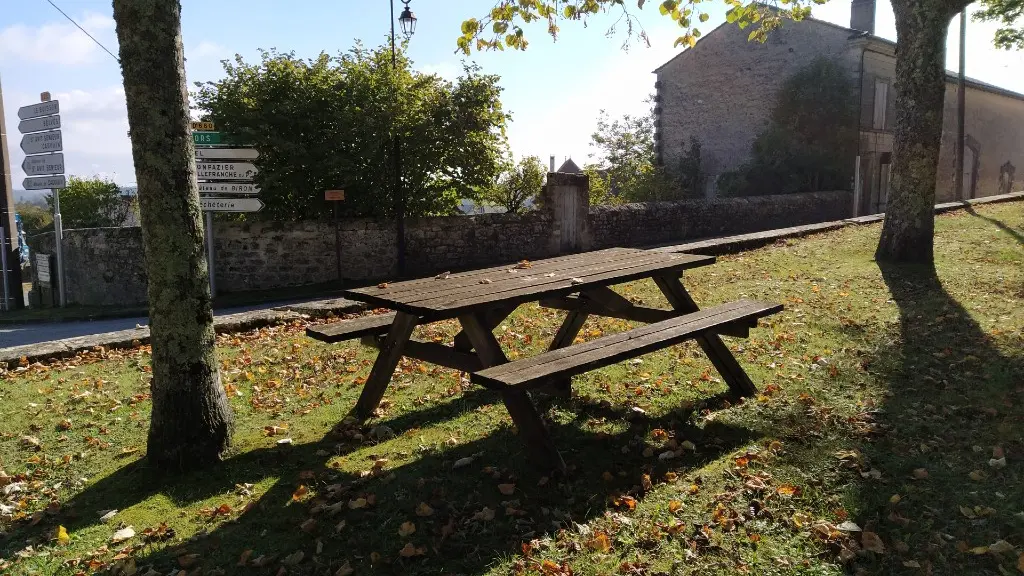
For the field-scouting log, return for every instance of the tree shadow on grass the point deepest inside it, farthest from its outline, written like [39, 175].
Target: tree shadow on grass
[472, 523]
[1016, 234]
[950, 402]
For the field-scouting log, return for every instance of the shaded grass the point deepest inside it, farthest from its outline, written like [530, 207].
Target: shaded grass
[868, 376]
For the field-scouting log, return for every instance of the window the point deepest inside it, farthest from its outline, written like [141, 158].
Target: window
[881, 102]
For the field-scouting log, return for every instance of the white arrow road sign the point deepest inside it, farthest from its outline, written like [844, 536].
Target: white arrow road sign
[42, 142]
[37, 110]
[44, 182]
[231, 204]
[227, 153]
[45, 164]
[39, 124]
[225, 170]
[228, 188]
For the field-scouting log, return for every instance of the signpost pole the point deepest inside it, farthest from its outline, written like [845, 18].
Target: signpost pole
[210, 252]
[58, 236]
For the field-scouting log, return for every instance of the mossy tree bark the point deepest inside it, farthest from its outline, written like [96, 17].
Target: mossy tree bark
[191, 419]
[921, 25]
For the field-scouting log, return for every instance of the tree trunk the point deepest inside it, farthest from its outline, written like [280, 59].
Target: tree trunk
[191, 420]
[920, 90]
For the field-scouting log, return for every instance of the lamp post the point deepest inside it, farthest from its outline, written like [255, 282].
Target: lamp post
[408, 22]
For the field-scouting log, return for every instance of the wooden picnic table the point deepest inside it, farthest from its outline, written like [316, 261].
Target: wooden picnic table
[577, 283]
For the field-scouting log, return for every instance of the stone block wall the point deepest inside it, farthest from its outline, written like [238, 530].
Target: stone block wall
[655, 223]
[105, 266]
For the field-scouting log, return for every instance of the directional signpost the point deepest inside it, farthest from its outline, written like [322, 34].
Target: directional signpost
[44, 164]
[44, 183]
[225, 177]
[231, 204]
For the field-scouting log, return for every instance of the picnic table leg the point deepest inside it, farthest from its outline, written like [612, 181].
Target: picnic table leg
[564, 337]
[384, 367]
[494, 317]
[712, 344]
[518, 403]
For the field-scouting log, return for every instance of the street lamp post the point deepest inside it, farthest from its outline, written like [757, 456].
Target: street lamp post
[408, 22]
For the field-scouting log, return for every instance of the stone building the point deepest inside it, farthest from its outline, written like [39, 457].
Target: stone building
[722, 91]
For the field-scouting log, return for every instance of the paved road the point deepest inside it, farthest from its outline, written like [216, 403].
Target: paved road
[18, 334]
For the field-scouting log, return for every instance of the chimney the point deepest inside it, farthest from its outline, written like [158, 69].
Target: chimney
[862, 16]
[551, 162]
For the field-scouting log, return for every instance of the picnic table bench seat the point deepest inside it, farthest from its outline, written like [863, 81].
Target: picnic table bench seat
[334, 332]
[533, 372]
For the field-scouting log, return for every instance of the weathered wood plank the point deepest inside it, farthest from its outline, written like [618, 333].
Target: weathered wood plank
[585, 265]
[614, 348]
[434, 353]
[351, 329]
[716, 350]
[390, 353]
[564, 337]
[473, 276]
[447, 307]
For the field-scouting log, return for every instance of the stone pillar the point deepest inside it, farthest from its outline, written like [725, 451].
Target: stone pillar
[567, 198]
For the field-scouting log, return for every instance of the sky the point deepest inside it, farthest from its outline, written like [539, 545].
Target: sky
[554, 90]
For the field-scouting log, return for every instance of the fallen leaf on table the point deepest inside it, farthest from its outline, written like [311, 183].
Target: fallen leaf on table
[62, 536]
[871, 542]
[382, 285]
[575, 281]
[507, 489]
[485, 281]
[443, 275]
[424, 509]
[406, 529]
[122, 534]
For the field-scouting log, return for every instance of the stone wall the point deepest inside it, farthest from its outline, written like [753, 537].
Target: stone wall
[102, 266]
[105, 265]
[663, 222]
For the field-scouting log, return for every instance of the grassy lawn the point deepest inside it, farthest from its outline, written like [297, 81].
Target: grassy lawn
[887, 439]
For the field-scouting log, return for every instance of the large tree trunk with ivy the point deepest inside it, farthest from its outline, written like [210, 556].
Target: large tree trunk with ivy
[191, 421]
[920, 90]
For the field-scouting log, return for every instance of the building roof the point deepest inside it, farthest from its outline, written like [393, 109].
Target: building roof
[569, 167]
[860, 35]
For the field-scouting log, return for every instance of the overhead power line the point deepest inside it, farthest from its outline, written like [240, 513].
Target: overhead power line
[84, 31]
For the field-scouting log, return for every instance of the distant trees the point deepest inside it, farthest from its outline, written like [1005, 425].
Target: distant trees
[34, 219]
[626, 169]
[516, 185]
[327, 123]
[91, 203]
[810, 139]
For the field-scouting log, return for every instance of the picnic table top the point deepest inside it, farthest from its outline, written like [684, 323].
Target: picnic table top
[449, 295]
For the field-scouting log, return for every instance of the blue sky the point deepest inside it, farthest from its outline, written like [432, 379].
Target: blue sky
[554, 89]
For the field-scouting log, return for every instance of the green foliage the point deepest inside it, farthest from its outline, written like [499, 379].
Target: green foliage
[502, 26]
[1010, 16]
[328, 123]
[810, 139]
[600, 186]
[626, 169]
[516, 184]
[34, 219]
[91, 203]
